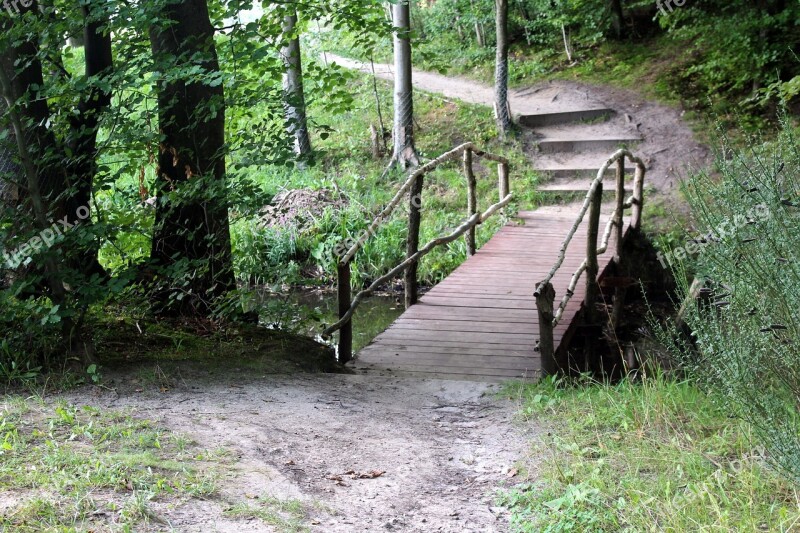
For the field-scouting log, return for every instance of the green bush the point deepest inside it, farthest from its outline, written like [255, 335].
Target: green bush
[745, 340]
[737, 50]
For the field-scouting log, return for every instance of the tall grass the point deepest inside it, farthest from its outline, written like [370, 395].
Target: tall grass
[650, 455]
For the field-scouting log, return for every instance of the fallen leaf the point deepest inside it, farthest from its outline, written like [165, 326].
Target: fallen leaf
[513, 472]
[289, 462]
[372, 474]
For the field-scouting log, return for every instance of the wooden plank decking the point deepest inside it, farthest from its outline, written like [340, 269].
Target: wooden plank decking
[481, 322]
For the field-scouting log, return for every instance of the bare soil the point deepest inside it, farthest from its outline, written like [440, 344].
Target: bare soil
[441, 448]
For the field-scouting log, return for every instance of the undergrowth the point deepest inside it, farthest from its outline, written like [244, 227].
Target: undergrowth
[345, 165]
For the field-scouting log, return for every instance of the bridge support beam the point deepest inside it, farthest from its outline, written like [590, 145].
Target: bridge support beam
[472, 199]
[412, 243]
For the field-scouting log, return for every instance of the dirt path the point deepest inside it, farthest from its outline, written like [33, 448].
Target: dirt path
[445, 447]
[666, 143]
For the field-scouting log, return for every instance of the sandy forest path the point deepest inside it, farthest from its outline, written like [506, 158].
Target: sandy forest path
[572, 127]
[444, 447]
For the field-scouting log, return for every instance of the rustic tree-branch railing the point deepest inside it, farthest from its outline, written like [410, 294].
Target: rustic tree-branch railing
[412, 188]
[545, 293]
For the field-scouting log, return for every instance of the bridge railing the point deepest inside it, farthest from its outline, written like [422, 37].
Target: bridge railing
[412, 189]
[545, 293]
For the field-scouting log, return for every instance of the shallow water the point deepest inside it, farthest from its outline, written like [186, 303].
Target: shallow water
[309, 312]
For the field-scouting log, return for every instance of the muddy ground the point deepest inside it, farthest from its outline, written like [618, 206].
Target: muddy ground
[444, 447]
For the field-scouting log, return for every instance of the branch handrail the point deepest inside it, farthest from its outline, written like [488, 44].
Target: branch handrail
[573, 283]
[414, 183]
[562, 252]
[544, 293]
[404, 188]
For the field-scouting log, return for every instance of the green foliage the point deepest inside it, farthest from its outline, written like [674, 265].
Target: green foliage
[30, 336]
[284, 255]
[635, 456]
[458, 36]
[730, 57]
[123, 192]
[738, 49]
[746, 328]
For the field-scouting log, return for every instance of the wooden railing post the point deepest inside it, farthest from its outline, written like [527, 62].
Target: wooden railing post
[545, 296]
[620, 209]
[502, 177]
[472, 198]
[343, 299]
[638, 199]
[592, 289]
[619, 292]
[412, 242]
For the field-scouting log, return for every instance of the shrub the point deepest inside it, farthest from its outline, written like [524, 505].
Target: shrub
[745, 340]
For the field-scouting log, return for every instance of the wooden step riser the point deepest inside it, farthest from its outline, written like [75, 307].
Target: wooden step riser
[579, 173]
[566, 117]
[551, 147]
[608, 192]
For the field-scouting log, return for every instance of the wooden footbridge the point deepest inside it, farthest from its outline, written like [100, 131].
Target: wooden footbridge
[511, 308]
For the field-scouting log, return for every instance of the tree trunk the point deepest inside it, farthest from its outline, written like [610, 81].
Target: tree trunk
[25, 75]
[65, 165]
[294, 102]
[191, 235]
[38, 201]
[84, 127]
[405, 154]
[617, 19]
[10, 173]
[59, 172]
[502, 115]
